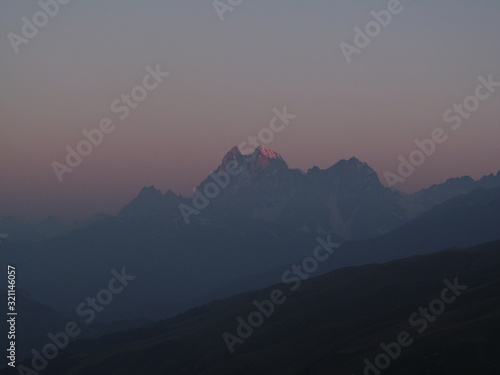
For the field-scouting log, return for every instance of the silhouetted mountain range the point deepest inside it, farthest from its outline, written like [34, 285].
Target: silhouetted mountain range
[347, 199]
[453, 187]
[249, 222]
[268, 216]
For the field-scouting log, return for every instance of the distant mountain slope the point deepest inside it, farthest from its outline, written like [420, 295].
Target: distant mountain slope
[437, 194]
[180, 263]
[150, 200]
[20, 231]
[331, 324]
[187, 262]
[466, 220]
[36, 321]
[347, 199]
[24, 232]
[33, 323]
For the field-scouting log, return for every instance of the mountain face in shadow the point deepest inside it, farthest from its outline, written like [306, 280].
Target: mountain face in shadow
[452, 188]
[20, 231]
[268, 216]
[347, 199]
[150, 201]
[265, 219]
[180, 263]
[463, 221]
[335, 323]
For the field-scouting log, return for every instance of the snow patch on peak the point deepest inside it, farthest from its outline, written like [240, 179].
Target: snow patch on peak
[264, 157]
[266, 152]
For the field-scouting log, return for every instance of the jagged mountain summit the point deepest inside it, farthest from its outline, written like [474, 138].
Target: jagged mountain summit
[150, 200]
[346, 199]
[265, 216]
[258, 160]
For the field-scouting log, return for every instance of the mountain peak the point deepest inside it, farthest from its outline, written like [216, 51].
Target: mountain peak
[264, 157]
[352, 163]
[233, 153]
[170, 195]
[355, 160]
[267, 153]
[149, 199]
[149, 191]
[460, 179]
[356, 171]
[259, 159]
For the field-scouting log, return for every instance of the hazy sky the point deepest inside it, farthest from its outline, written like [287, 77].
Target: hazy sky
[225, 79]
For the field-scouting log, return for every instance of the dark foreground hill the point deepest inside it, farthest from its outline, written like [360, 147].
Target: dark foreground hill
[332, 324]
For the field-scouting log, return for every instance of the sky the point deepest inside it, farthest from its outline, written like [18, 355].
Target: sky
[225, 78]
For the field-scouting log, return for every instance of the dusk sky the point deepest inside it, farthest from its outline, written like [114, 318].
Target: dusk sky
[225, 79]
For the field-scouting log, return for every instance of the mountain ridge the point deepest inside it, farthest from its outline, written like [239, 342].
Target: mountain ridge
[346, 199]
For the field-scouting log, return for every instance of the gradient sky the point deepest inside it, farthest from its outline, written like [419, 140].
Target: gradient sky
[225, 79]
